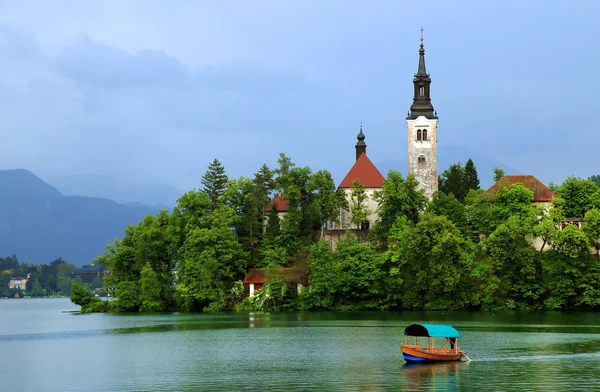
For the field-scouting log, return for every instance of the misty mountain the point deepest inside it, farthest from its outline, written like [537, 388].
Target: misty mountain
[39, 224]
[113, 188]
[452, 154]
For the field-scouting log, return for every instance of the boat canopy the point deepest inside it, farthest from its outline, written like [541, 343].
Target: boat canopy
[432, 330]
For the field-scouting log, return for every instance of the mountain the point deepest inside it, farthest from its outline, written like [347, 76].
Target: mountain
[39, 224]
[113, 188]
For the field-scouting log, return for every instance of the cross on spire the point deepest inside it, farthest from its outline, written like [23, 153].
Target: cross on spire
[421, 34]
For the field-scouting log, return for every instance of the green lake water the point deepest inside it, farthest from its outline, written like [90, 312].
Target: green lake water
[43, 349]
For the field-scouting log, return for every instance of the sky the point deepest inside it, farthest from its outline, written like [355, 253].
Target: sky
[153, 91]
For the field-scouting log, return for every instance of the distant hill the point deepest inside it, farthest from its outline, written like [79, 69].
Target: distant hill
[39, 224]
[113, 188]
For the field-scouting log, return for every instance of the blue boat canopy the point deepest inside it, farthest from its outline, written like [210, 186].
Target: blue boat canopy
[432, 330]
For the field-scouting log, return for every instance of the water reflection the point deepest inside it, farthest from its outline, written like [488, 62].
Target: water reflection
[439, 376]
[288, 351]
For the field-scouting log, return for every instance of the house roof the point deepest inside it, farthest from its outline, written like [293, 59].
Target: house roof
[280, 204]
[257, 275]
[365, 171]
[541, 192]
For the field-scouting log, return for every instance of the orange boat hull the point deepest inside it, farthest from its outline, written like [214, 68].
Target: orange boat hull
[416, 354]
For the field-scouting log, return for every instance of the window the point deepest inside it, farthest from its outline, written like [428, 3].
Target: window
[421, 90]
[421, 159]
[419, 134]
[424, 134]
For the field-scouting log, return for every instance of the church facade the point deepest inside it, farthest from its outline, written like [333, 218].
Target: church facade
[421, 124]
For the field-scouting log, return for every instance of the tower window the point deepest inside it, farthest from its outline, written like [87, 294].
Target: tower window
[424, 134]
[421, 159]
[419, 133]
[421, 90]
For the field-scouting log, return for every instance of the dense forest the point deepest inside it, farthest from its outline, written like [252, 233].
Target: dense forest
[461, 250]
[44, 279]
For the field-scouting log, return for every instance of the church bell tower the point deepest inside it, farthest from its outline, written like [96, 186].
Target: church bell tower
[422, 131]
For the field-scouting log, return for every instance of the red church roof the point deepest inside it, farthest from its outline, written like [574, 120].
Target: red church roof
[365, 171]
[280, 204]
[290, 275]
[541, 192]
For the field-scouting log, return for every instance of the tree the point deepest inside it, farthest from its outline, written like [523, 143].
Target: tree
[348, 279]
[327, 198]
[591, 227]
[358, 205]
[264, 185]
[398, 197]
[451, 208]
[440, 263]
[285, 165]
[452, 181]
[471, 179]
[512, 258]
[211, 261]
[579, 196]
[151, 291]
[214, 182]
[595, 179]
[498, 174]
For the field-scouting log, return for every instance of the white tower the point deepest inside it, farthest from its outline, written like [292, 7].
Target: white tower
[422, 131]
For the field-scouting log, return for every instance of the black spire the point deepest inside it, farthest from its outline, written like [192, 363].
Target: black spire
[361, 146]
[422, 100]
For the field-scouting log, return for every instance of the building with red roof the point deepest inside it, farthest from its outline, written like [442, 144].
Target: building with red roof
[541, 193]
[370, 177]
[257, 277]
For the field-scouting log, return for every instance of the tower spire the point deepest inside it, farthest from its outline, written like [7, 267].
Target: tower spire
[361, 146]
[422, 100]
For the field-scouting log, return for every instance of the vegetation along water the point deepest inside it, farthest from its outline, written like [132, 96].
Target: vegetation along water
[463, 250]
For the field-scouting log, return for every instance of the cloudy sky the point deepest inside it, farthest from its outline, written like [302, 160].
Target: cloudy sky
[154, 90]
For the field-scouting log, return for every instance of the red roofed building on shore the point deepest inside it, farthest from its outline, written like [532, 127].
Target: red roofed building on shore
[367, 174]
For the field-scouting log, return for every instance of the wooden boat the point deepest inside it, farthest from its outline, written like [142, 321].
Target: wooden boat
[447, 351]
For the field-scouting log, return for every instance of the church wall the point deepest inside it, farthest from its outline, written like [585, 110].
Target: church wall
[344, 221]
[425, 172]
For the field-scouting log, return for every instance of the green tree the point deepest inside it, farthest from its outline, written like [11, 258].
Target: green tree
[498, 174]
[595, 179]
[327, 198]
[151, 291]
[448, 206]
[398, 197]
[591, 228]
[358, 205]
[84, 298]
[513, 261]
[579, 196]
[471, 178]
[211, 261]
[4, 282]
[348, 279]
[214, 182]
[439, 268]
[452, 181]
[264, 185]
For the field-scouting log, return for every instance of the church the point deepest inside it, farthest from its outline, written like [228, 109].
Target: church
[421, 124]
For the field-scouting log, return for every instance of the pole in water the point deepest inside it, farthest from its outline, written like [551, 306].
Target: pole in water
[465, 354]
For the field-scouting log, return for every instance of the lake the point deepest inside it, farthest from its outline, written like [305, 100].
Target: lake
[43, 349]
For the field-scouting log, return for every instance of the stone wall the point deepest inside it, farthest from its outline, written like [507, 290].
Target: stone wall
[334, 236]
